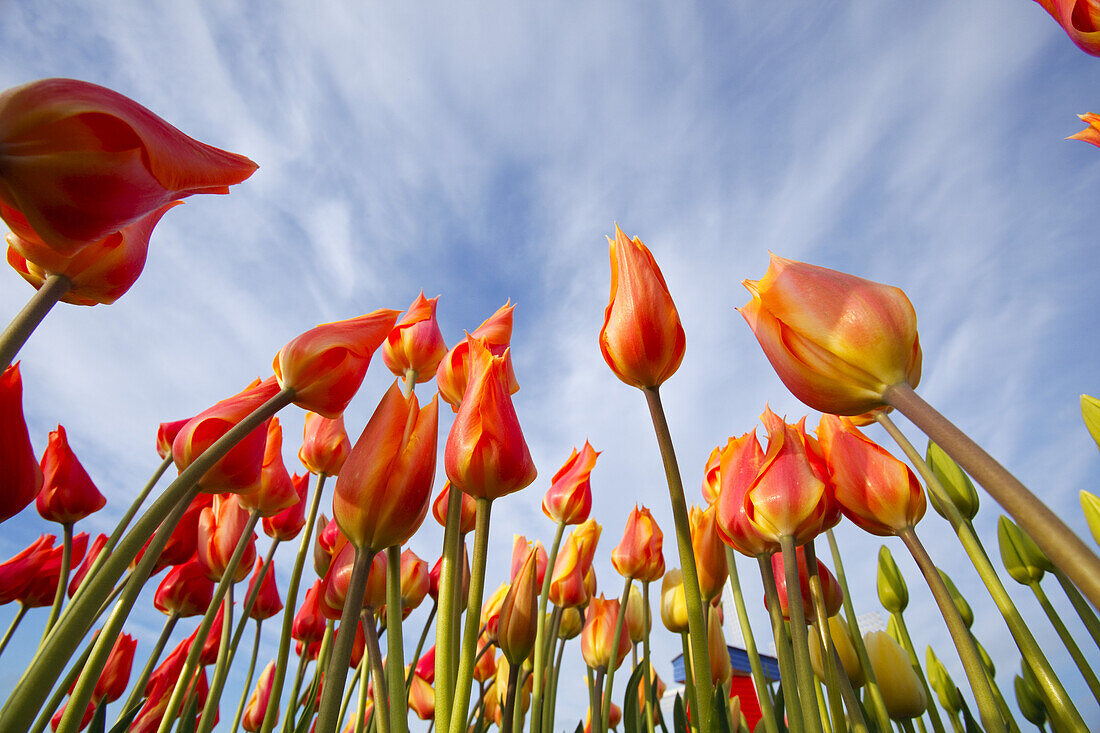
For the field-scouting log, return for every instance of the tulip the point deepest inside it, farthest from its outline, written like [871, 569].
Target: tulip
[221, 526]
[19, 571]
[240, 468]
[1090, 504]
[717, 651]
[520, 548]
[710, 553]
[841, 636]
[85, 719]
[384, 487]
[641, 339]
[325, 444]
[415, 343]
[486, 667]
[116, 674]
[739, 463]
[256, 709]
[640, 554]
[572, 622]
[1081, 21]
[957, 599]
[421, 694]
[166, 434]
[414, 581]
[673, 603]
[567, 588]
[635, 616]
[437, 569]
[211, 645]
[185, 591]
[490, 611]
[425, 666]
[100, 272]
[452, 375]
[42, 586]
[89, 559]
[267, 603]
[569, 498]
[289, 522]
[21, 479]
[68, 494]
[837, 341]
[831, 591]
[330, 540]
[615, 717]
[325, 365]
[892, 591]
[468, 513]
[1090, 411]
[598, 635]
[335, 583]
[519, 611]
[712, 482]
[956, 484]
[901, 688]
[275, 491]
[309, 621]
[875, 490]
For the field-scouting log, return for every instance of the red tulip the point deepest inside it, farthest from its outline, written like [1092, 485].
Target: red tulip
[42, 586]
[256, 708]
[183, 543]
[213, 642]
[486, 666]
[739, 463]
[289, 522]
[640, 554]
[1080, 19]
[159, 690]
[89, 559]
[185, 590]
[19, 571]
[641, 339]
[68, 494]
[486, 455]
[221, 526]
[437, 569]
[414, 581]
[166, 434]
[711, 473]
[325, 365]
[599, 634]
[81, 162]
[330, 540]
[274, 492]
[425, 666]
[268, 603]
[452, 375]
[325, 444]
[833, 595]
[21, 479]
[116, 672]
[383, 491]
[334, 588]
[467, 515]
[490, 610]
[569, 498]
[520, 547]
[85, 720]
[415, 342]
[309, 622]
[421, 697]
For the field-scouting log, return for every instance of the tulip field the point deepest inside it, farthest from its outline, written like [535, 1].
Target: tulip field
[490, 508]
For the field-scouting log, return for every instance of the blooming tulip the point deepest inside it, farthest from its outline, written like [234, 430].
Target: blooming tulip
[1080, 19]
[289, 522]
[452, 376]
[486, 455]
[673, 602]
[267, 603]
[740, 463]
[567, 586]
[385, 485]
[569, 498]
[837, 341]
[830, 588]
[326, 364]
[21, 479]
[221, 526]
[68, 493]
[415, 343]
[17, 573]
[309, 622]
[467, 514]
[710, 553]
[518, 622]
[598, 635]
[185, 591]
[640, 554]
[641, 339]
[89, 559]
[275, 491]
[42, 586]
[490, 610]
[901, 689]
[256, 708]
[81, 162]
[414, 581]
[520, 547]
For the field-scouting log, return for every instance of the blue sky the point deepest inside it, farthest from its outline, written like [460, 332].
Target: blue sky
[483, 153]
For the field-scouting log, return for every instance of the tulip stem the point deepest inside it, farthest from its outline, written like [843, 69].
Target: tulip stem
[356, 681]
[647, 675]
[296, 687]
[311, 691]
[542, 644]
[690, 698]
[62, 579]
[446, 623]
[828, 649]
[551, 700]
[1050, 686]
[419, 648]
[361, 671]
[960, 635]
[246, 609]
[796, 615]
[757, 667]
[788, 677]
[336, 671]
[11, 629]
[290, 608]
[473, 614]
[22, 326]
[613, 662]
[377, 673]
[1062, 546]
[221, 667]
[1067, 639]
[248, 677]
[1080, 605]
[138, 691]
[395, 652]
[697, 623]
[506, 722]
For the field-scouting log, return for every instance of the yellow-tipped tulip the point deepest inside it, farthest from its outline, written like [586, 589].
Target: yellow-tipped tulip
[674, 602]
[842, 642]
[901, 689]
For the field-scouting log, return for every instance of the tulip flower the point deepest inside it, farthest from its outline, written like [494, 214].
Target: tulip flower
[615, 717]
[325, 365]
[1090, 413]
[520, 547]
[572, 622]
[415, 343]
[85, 719]
[468, 513]
[17, 573]
[875, 490]
[68, 494]
[421, 694]
[490, 610]
[385, 485]
[289, 522]
[329, 542]
[309, 621]
[1090, 505]
[567, 587]
[183, 543]
[1080, 19]
[598, 635]
[414, 581]
[841, 636]
[640, 554]
[710, 553]
[185, 591]
[958, 600]
[89, 559]
[569, 498]
[42, 586]
[116, 673]
[519, 611]
[452, 375]
[641, 339]
[1022, 558]
[267, 603]
[166, 434]
[673, 602]
[739, 463]
[325, 444]
[712, 482]
[717, 651]
[221, 526]
[257, 704]
[833, 595]
[211, 645]
[901, 688]
[275, 491]
[486, 667]
[437, 569]
[21, 479]
[837, 341]
[635, 622]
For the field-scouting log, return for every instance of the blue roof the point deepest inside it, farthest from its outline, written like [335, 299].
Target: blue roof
[739, 660]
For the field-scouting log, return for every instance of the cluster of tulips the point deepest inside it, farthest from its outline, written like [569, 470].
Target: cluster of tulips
[85, 176]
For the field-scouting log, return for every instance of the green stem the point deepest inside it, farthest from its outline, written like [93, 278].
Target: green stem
[548, 697]
[906, 725]
[1061, 545]
[377, 672]
[1058, 701]
[47, 712]
[299, 677]
[22, 326]
[1067, 639]
[479, 705]
[759, 681]
[787, 674]
[697, 623]
[62, 579]
[248, 677]
[541, 644]
[419, 648]
[796, 616]
[221, 667]
[138, 691]
[597, 685]
[506, 722]
[907, 643]
[822, 708]
[825, 637]
[361, 707]
[551, 700]
[473, 609]
[851, 699]
[395, 651]
[336, 672]
[14, 625]
[593, 701]
[647, 664]
[613, 663]
[1080, 605]
[450, 580]
[290, 608]
[356, 681]
[964, 643]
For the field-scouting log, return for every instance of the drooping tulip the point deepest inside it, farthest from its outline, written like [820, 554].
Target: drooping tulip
[415, 343]
[17, 573]
[1080, 19]
[326, 364]
[486, 455]
[673, 602]
[740, 463]
[185, 590]
[467, 514]
[901, 689]
[325, 444]
[837, 341]
[519, 611]
[641, 339]
[288, 523]
[256, 708]
[830, 588]
[599, 634]
[569, 498]
[68, 493]
[710, 553]
[221, 526]
[21, 479]
[640, 553]
[520, 547]
[89, 559]
[275, 491]
[385, 485]
[267, 603]
[309, 621]
[414, 581]
[452, 375]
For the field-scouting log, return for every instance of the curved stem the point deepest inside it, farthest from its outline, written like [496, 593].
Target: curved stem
[541, 644]
[796, 617]
[14, 625]
[759, 681]
[138, 691]
[473, 609]
[248, 677]
[336, 671]
[26, 320]
[828, 650]
[697, 623]
[62, 579]
[613, 663]
[395, 651]
[1067, 639]
[787, 673]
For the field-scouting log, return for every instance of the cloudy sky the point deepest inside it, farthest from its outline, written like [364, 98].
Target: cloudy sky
[483, 154]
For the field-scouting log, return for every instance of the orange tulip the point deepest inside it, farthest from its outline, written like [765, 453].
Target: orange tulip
[836, 340]
[166, 433]
[415, 342]
[289, 522]
[326, 364]
[486, 667]
[641, 339]
[81, 162]
[421, 696]
[334, 589]
[879, 493]
[740, 462]
[712, 483]
[710, 553]
[1090, 134]
[520, 548]
[414, 581]
[614, 718]
[220, 528]
[325, 444]
[99, 273]
[275, 491]
[567, 588]
[467, 514]
[640, 554]
[486, 455]
[453, 373]
[599, 634]
[569, 498]
[490, 610]
[717, 651]
[587, 534]
[268, 603]
[256, 708]
[519, 611]
[68, 494]
[309, 621]
[21, 479]
[1080, 19]
[385, 485]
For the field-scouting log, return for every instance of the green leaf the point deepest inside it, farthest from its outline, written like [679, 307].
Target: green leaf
[970, 725]
[99, 720]
[721, 716]
[127, 718]
[679, 720]
[1090, 410]
[631, 715]
[580, 727]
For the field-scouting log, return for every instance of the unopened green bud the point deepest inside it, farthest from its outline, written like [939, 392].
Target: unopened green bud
[892, 591]
[987, 661]
[1091, 504]
[960, 490]
[1090, 410]
[957, 598]
[1022, 558]
[1030, 702]
[940, 681]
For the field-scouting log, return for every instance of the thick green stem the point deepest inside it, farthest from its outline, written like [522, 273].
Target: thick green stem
[395, 651]
[419, 648]
[613, 663]
[787, 673]
[290, 608]
[1062, 546]
[799, 639]
[825, 636]
[551, 700]
[691, 699]
[22, 326]
[697, 623]
[1067, 639]
[47, 712]
[541, 645]
[221, 667]
[336, 672]
[62, 579]
[964, 643]
[14, 625]
[1080, 605]
[473, 615]
[759, 681]
[907, 643]
[446, 644]
[138, 691]
[248, 677]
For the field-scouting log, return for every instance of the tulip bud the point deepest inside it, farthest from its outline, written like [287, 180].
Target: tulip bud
[116, 672]
[21, 479]
[452, 376]
[957, 598]
[415, 343]
[1090, 504]
[569, 498]
[710, 553]
[901, 689]
[414, 581]
[68, 494]
[842, 641]
[987, 661]
[519, 612]
[1028, 697]
[309, 621]
[268, 603]
[1022, 558]
[641, 339]
[717, 651]
[892, 591]
[599, 634]
[324, 543]
[325, 444]
[640, 554]
[635, 616]
[614, 717]
[674, 602]
[275, 491]
[572, 622]
[220, 528]
[256, 709]
[940, 681]
[185, 591]
[467, 514]
[288, 523]
[958, 486]
[837, 341]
